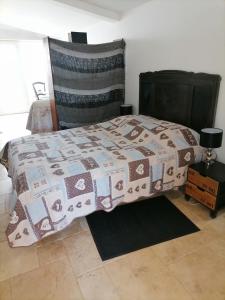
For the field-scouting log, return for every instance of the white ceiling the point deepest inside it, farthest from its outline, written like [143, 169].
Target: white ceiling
[120, 6]
[42, 17]
[34, 18]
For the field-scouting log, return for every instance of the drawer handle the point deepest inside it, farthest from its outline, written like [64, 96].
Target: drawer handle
[201, 189]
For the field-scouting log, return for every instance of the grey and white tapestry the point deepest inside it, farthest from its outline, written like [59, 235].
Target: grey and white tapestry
[88, 81]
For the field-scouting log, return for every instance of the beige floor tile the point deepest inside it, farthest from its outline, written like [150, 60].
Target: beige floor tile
[173, 250]
[96, 285]
[142, 275]
[84, 224]
[196, 212]
[5, 291]
[218, 224]
[202, 273]
[218, 247]
[82, 252]
[4, 221]
[14, 261]
[156, 276]
[128, 285]
[51, 252]
[54, 281]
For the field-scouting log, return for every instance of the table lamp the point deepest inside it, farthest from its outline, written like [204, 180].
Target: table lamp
[211, 138]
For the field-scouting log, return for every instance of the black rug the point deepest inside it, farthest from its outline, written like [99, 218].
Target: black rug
[137, 225]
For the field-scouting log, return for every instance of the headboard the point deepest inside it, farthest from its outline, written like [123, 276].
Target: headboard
[182, 97]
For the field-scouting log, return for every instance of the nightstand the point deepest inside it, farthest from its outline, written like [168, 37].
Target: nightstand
[126, 109]
[207, 185]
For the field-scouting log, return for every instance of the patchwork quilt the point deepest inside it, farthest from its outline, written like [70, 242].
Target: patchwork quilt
[60, 176]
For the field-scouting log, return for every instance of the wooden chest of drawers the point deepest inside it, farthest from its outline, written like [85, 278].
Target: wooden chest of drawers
[207, 185]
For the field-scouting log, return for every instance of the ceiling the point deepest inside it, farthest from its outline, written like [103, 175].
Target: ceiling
[120, 6]
[109, 9]
[27, 19]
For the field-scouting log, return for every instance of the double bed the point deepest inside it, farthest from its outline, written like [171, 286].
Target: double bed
[60, 176]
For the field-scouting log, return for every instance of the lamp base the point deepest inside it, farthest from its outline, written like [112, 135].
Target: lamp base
[209, 157]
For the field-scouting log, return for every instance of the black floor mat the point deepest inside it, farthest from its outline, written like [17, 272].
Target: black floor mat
[137, 225]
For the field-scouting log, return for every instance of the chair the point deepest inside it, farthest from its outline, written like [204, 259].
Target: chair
[39, 90]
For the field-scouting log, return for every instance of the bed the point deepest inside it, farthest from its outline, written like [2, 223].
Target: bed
[60, 176]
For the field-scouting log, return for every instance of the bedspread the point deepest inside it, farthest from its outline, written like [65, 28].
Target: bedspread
[60, 176]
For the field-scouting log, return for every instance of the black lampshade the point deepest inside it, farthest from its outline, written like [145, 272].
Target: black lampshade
[126, 109]
[211, 137]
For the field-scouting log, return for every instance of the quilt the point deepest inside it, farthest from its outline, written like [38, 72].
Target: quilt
[61, 176]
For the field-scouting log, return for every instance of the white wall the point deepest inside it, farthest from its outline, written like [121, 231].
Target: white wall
[171, 34]
[21, 64]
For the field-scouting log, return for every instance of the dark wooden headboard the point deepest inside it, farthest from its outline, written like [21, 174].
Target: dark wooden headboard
[182, 97]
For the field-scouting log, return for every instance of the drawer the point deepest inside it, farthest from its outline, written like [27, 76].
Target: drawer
[200, 195]
[204, 182]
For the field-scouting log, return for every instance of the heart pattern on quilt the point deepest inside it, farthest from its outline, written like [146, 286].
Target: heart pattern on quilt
[187, 156]
[70, 208]
[88, 202]
[163, 136]
[137, 189]
[119, 185]
[79, 205]
[80, 185]
[143, 186]
[57, 205]
[130, 190]
[170, 171]
[14, 218]
[171, 144]
[25, 231]
[18, 236]
[140, 169]
[158, 185]
[134, 133]
[45, 225]
[106, 202]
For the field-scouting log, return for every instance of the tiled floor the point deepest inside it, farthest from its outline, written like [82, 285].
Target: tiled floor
[67, 265]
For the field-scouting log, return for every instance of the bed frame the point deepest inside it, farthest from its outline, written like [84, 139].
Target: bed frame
[182, 97]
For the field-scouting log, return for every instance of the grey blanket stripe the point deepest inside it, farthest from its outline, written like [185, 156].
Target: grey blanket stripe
[105, 47]
[79, 54]
[88, 92]
[63, 74]
[86, 117]
[88, 81]
[86, 65]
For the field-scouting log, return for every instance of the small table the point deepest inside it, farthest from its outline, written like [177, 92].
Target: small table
[207, 185]
[40, 118]
[126, 109]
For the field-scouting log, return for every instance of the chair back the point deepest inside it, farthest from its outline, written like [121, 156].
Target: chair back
[39, 89]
